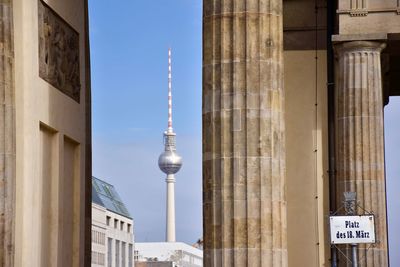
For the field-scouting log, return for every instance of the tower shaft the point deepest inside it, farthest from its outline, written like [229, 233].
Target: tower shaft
[170, 230]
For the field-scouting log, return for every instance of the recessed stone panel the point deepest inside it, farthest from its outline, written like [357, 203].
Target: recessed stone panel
[58, 52]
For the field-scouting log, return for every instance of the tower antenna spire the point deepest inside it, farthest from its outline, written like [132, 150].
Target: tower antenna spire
[170, 130]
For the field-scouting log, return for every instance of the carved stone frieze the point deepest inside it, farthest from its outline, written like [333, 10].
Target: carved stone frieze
[358, 13]
[58, 52]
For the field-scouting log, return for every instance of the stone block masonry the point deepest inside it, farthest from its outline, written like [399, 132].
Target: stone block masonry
[244, 202]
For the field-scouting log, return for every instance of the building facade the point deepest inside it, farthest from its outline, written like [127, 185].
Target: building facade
[174, 254]
[112, 228]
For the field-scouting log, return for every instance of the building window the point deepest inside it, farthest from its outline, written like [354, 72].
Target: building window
[129, 227]
[109, 252]
[117, 253]
[108, 218]
[123, 254]
[130, 263]
[107, 191]
[136, 255]
[115, 223]
[122, 226]
[101, 259]
[98, 237]
[97, 258]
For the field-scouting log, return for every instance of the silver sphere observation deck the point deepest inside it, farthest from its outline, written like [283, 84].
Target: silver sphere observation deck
[169, 161]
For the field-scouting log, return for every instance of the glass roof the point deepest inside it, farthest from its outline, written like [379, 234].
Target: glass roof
[104, 194]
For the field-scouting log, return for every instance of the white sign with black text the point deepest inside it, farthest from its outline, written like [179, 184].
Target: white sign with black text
[352, 229]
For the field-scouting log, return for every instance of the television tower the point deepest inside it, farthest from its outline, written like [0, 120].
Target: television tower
[170, 162]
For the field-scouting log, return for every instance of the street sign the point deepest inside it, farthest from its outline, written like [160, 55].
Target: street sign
[352, 229]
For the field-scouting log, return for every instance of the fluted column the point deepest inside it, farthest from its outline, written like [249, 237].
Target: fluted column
[244, 199]
[360, 138]
[7, 134]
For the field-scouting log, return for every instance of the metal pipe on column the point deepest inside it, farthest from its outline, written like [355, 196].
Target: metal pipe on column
[331, 22]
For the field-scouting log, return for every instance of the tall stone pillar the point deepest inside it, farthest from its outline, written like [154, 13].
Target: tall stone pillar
[244, 199]
[7, 134]
[360, 138]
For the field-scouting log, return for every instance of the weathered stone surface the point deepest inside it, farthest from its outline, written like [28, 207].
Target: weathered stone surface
[360, 138]
[7, 135]
[244, 199]
[368, 16]
[58, 52]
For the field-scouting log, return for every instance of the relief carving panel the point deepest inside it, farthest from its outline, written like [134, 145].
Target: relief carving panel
[58, 52]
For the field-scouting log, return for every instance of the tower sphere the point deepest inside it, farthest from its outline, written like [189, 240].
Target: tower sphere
[170, 162]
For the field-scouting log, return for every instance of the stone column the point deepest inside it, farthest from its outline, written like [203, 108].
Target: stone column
[7, 135]
[244, 202]
[360, 138]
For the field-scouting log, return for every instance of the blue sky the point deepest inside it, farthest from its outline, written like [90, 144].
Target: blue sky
[129, 42]
[392, 142]
[129, 52]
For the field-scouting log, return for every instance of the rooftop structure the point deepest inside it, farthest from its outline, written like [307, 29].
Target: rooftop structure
[104, 194]
[168, 254]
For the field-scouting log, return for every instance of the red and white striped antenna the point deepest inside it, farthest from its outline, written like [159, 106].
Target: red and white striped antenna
[170, 130]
